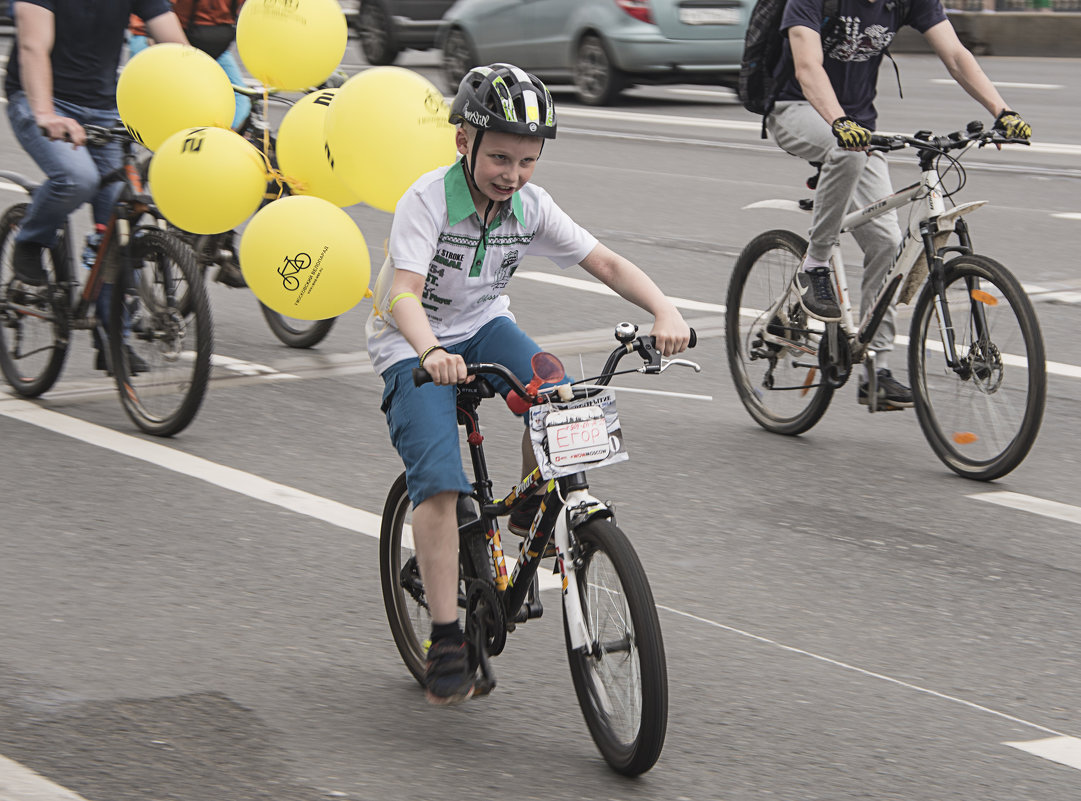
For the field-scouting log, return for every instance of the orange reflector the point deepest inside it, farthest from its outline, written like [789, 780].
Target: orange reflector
[810, 379]
[964, 437]
[983, 297]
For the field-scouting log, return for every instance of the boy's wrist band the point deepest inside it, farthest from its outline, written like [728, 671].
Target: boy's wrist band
[424, 355]
[390, 308]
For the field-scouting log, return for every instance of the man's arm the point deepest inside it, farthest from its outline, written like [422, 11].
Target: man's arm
[36, 28]
[166, 28]
[963, 67]
[807, 58]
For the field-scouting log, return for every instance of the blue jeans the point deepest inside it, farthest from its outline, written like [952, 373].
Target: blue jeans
[227, 62]
[72, 175]
[423, 420]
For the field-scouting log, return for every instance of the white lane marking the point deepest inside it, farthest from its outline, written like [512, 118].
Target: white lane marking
[1030, 503]
[1064, 750]
[1068, 215]
[863, 671]
[241, 367]
[1053, 368]
[1005, 84]
[360, 521]
[19, 783]
[10, 187]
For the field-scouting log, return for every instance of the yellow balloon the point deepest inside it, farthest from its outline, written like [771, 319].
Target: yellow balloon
[301, 151]
[305, 258]
[168, 87]
[386, 127]
[207, 180]
[291, 44]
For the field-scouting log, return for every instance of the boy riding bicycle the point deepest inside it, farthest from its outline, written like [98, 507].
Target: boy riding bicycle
[458, 235]
[825, 113]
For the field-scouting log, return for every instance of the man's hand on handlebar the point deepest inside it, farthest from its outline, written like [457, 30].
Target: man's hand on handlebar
[446, 368]
[55, 127]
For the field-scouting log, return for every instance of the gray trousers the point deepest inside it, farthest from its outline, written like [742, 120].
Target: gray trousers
[850, 179]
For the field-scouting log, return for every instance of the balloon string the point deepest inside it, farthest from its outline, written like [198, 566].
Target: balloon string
[273, 173]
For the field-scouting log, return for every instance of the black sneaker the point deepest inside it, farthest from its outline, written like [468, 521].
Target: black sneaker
[448, 678]
[892, 394]
[815, 289]
[26, 262]
[230, 275]
[521, 519]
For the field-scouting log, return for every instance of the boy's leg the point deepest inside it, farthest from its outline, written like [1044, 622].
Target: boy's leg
[435, 534]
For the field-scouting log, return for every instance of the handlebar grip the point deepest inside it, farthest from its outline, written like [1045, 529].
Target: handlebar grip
[421, 376]
[694, 339]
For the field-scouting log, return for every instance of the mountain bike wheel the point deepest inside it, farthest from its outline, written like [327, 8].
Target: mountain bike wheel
[982, 418]
[297, 333]
[622, 686]
[160, 356]
[33, 344]
[773, 355]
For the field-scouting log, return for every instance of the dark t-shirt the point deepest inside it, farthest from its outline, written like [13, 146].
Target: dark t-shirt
[854, 54]
[87, 46]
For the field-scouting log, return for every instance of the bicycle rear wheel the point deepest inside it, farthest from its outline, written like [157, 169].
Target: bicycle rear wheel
[982, 417]
[297, 333]
[772, 344]
[160, 356]
[622, 686]
[34, 340]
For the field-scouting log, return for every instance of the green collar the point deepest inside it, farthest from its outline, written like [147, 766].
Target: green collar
[460, 201]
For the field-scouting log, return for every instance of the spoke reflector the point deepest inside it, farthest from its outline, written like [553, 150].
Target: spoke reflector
[810, 379]
[984, 297]
[964, 437]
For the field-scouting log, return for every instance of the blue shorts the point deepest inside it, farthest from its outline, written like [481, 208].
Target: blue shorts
[424, 421]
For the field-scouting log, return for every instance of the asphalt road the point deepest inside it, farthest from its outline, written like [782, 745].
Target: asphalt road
[844, 618]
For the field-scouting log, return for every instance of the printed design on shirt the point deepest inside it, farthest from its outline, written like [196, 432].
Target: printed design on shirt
[447, 258]
[852, 44]
[431, 284]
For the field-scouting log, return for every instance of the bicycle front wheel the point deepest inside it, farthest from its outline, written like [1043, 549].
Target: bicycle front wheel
[981, 416]
[34, 338]
[297, 333]
[772, 344]
[622, 686]
[160, 355]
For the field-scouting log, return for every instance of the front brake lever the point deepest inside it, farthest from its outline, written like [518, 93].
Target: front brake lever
[666, 363]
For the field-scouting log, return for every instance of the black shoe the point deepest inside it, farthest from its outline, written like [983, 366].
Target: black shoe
[135, 362]
[448, 678]
[815, 289]
[521, 519]
[26, 262]
[24, 294]
[892, 394]
[230, 275]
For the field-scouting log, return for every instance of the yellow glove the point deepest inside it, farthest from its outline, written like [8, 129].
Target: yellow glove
[850, 134]
[1010, 124]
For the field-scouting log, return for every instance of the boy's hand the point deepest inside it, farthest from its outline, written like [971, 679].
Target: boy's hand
[446, 368]
[672, 333]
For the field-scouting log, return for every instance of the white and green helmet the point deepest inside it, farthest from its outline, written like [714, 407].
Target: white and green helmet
[505, 98]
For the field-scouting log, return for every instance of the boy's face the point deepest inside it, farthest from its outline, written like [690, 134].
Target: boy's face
[505, 163]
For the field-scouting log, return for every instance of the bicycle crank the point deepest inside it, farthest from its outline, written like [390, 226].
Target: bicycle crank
[835, 356]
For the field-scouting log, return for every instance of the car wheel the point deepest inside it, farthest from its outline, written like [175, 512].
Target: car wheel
[458, 59]
[375, 29]
[597, 80]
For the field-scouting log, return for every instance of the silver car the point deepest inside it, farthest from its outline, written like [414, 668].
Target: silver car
[603, 46]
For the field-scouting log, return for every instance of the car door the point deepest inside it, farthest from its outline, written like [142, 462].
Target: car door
[498, 29]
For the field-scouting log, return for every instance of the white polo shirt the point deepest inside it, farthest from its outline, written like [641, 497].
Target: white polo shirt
[437, 232]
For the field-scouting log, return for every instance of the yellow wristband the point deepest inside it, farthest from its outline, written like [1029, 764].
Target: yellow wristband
[424, 355]
[390, 308]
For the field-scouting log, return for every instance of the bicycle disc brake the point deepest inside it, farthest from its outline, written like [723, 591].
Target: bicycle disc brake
[835, 356]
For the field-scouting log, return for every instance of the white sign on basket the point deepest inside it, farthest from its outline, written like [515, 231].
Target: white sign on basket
[576, 435]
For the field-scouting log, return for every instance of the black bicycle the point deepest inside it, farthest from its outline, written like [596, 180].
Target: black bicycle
[612, 634]
[158, 353]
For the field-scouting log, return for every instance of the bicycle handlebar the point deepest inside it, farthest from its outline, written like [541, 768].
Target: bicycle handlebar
[925, 140]
[645, 346]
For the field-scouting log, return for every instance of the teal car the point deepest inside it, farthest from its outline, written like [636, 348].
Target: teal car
[601, 46]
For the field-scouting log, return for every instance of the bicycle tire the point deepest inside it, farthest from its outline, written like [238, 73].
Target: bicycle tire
[979, 424]
[162, 394]
[297, 333]
[33, 347]
[610, 573]
[780, 386]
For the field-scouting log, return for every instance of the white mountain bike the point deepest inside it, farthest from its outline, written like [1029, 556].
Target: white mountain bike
[976, 356]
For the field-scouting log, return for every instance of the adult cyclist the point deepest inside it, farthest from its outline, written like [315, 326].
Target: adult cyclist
[825, 113]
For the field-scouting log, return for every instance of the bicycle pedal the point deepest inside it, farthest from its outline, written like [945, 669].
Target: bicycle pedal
[482, 686]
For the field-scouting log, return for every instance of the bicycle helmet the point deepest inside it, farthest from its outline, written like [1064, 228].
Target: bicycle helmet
[504, 98]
